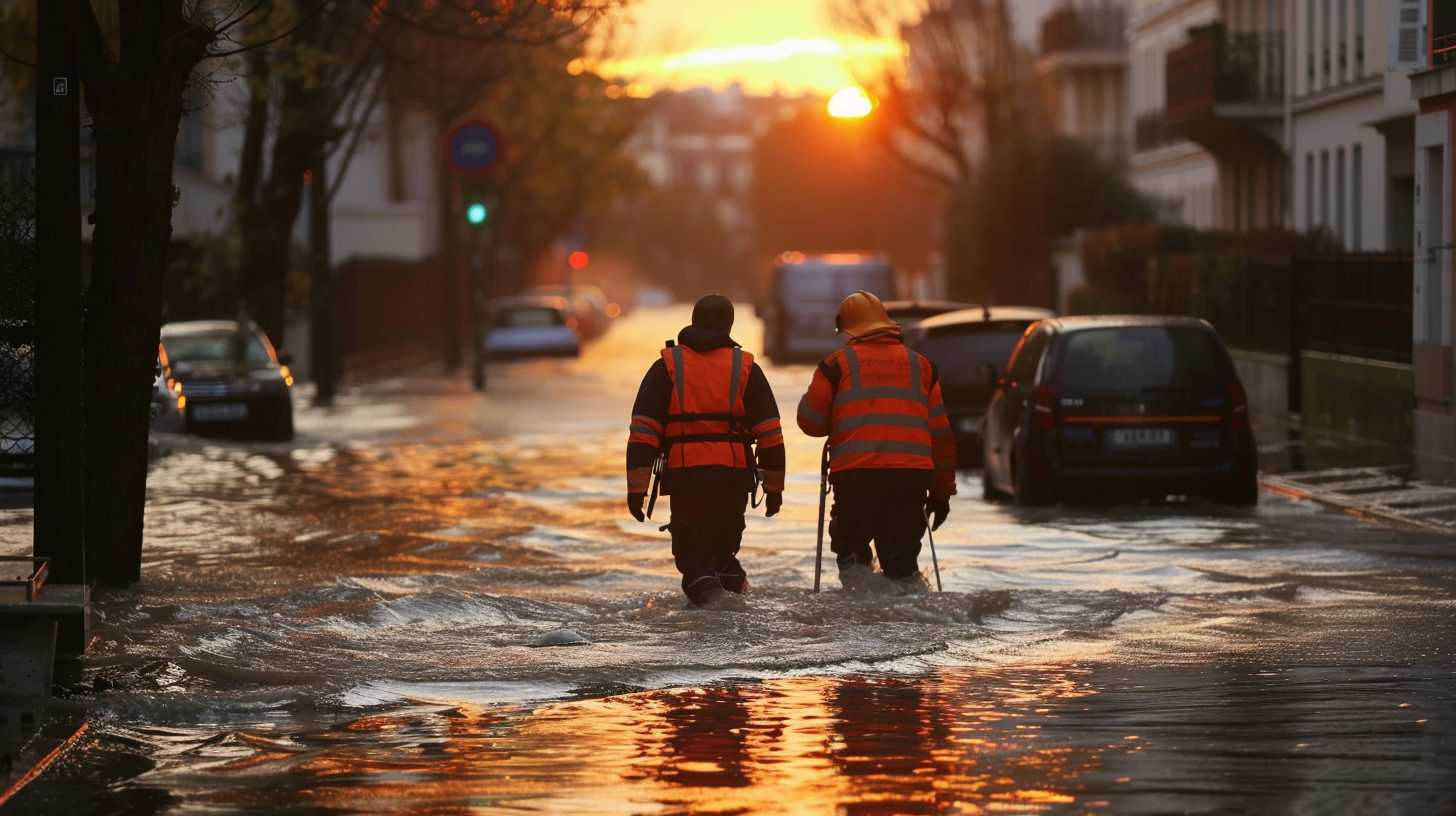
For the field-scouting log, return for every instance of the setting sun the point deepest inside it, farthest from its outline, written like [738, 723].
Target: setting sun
[850, 103]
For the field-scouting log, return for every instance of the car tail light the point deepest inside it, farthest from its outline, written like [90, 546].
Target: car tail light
[1238, 406]
[1043, 408]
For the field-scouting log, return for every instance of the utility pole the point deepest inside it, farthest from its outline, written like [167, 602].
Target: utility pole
[323, 334]
[59, 422]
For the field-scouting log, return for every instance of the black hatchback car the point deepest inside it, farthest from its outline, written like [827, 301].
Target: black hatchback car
[1148, 406]
[225, 373]
[961, 344]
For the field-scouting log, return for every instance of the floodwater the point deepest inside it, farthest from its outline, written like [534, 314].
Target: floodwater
[350, 623]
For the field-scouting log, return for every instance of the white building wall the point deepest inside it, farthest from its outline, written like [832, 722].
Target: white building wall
[1335, 131]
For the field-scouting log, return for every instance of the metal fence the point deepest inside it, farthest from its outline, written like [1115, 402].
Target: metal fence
[1357, 305]
[17, 326]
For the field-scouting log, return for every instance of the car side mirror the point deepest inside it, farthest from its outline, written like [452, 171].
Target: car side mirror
[285, 359]
[988, 374]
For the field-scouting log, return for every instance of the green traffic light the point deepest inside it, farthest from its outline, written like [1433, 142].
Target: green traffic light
[476, 214]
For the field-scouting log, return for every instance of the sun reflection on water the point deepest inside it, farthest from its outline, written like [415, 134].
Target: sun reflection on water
[966, 741]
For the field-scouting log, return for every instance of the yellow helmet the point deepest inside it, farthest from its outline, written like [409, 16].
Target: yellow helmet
[862, 313]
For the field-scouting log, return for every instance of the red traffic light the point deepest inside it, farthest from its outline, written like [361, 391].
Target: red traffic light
[578, 260]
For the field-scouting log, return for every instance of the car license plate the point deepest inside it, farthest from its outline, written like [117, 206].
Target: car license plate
[968, 425]
[1141, 438]
[221, 412]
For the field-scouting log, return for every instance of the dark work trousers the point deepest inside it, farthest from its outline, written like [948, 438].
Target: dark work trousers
[707, 529]
[883, 506]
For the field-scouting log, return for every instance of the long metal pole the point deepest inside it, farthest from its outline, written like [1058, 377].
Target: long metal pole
[823, 494]
[934, 562]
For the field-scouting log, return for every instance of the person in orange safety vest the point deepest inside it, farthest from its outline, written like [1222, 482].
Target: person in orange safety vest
[702, 407]
[892, 453]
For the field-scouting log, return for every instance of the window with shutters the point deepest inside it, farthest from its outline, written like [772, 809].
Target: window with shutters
[1407, 32]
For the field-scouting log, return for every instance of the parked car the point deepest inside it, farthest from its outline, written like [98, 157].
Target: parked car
[1145, 406]
[530, 326]
[961, 344]
[909, 313]
[226, 373]
[798, 317]
[588, 304]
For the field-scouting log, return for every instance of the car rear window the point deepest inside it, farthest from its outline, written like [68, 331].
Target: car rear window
[957, 354]
[527, 317]
[1142, 358]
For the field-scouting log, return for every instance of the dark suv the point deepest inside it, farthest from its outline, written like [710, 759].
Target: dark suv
[1148, 406]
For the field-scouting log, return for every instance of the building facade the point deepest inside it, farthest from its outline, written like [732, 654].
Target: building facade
[1433, 85]
[1083, 66]
[1352, 121]
[1207, 81]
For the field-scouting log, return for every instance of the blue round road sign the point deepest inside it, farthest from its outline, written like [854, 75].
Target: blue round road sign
[473, 147]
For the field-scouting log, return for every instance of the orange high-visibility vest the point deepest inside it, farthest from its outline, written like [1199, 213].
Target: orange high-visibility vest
[881, 416]
[705, 422]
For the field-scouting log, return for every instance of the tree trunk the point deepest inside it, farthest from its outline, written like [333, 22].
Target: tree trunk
[137, 107]
[322, 341]
[60, 462]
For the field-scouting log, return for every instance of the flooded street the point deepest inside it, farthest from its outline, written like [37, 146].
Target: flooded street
[352, 622]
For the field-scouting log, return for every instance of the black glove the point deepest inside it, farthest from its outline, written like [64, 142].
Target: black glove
[634, 505]
[937, 509]
[772, 502]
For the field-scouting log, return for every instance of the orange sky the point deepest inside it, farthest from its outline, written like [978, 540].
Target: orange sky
[767, 45]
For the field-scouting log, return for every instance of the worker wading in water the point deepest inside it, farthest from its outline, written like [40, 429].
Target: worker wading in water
[892, 453]
[702, 407]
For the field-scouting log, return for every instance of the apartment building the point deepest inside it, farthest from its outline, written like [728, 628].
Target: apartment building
[1353, 123]
[1208, 95]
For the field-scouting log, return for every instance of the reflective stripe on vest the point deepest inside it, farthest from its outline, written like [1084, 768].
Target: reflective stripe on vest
[705, 422]
[881, 413]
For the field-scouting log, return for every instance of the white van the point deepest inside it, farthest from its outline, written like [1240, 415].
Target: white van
[805, 293]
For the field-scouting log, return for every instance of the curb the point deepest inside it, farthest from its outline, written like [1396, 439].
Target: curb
[1367, 514]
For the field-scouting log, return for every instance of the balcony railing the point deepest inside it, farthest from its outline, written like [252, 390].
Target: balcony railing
[1083, 29]
[1443, 49]
[1219, 68]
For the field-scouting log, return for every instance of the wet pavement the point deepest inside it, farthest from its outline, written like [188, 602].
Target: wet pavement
[350, 622]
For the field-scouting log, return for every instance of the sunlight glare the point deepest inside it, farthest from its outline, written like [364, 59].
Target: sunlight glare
[850, 103]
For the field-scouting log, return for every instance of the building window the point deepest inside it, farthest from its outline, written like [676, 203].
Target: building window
[1343, 62]
[1309, 46]
[1356, 194]
[1325, 61]
[1309, 191]
[1360, 39]
[1340, 195]
[1325, 189]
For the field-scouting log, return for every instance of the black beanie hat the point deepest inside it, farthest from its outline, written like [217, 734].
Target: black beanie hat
[713, 312]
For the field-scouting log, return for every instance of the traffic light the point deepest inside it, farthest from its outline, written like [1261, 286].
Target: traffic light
[476, 213]
[578, 260]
